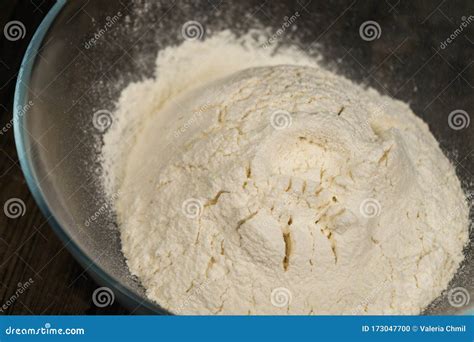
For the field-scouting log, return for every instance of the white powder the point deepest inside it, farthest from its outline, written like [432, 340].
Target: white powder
[280, 189]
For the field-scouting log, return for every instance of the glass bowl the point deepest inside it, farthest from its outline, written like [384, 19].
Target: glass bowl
[85, 52]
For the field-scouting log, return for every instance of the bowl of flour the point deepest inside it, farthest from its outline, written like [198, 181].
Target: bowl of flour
[258, 182]
[240, 167]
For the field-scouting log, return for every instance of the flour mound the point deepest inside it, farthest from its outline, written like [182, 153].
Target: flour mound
[287, 189]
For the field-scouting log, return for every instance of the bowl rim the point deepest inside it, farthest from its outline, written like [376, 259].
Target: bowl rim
[20, 97]
[19, 101]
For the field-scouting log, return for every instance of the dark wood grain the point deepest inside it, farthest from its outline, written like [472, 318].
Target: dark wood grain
[28, 247]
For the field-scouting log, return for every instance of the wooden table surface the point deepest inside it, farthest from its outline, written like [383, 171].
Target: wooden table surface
[28, 247]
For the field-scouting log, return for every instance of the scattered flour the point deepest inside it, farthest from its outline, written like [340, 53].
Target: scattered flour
[254, 182]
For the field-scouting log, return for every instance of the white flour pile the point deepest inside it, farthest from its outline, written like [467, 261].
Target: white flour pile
[280, 189]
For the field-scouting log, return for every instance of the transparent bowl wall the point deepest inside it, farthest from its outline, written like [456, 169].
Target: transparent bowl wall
[67, 77]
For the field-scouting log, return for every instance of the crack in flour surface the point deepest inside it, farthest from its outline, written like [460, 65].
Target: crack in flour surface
[253, 181]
